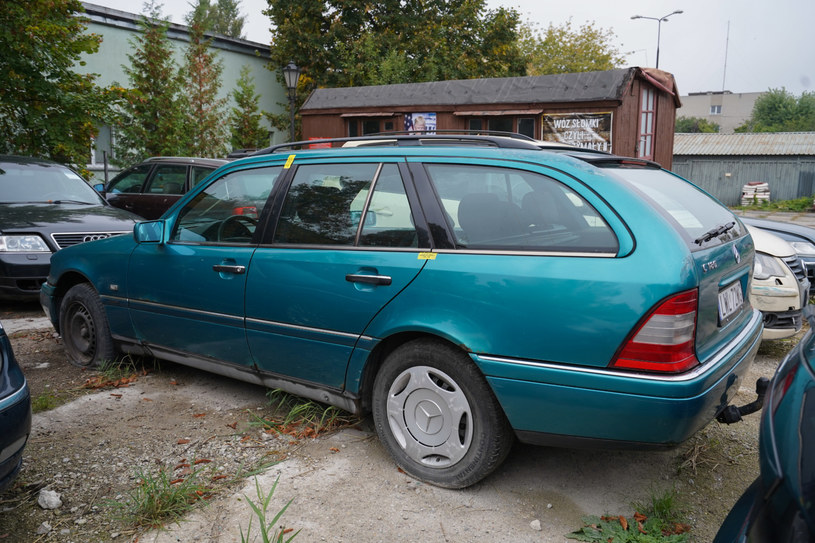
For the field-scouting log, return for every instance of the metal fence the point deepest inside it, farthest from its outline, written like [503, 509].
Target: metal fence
[789, 177]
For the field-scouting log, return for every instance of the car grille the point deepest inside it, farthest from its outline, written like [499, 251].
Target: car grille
[797, 267]
[73, 238]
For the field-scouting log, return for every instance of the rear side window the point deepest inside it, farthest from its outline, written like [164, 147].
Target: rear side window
[694, 212]
[502, 208]
[168, 179]
[326, 203]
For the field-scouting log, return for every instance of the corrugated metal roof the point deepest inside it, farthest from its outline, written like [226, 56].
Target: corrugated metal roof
[749, 144]
[577, 87]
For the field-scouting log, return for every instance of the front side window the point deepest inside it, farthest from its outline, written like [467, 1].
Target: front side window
[130, 181]
[502, 208]
[227, 210]
[326, 204]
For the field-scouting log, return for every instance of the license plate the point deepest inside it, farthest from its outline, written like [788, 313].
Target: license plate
[730, 302]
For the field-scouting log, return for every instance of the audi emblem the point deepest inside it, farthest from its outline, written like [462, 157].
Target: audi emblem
[94, 237]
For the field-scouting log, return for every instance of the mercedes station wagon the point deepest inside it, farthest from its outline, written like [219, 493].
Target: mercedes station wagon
[465, 290]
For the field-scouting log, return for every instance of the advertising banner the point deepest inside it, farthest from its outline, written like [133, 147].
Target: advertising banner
[420, 122]
[588, 130]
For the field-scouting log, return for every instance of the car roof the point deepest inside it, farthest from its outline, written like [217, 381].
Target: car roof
[18, 159]
[188, 160]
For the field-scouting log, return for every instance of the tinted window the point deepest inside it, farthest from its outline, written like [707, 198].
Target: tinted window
[502, 208]
[199, 173]
[693, 210]
[167, 179]
[227, 210]
[130, 180]
[324, 204]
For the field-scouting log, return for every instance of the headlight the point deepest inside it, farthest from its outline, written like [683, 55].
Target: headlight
[766, 266]
[23, 244]
[803, 248]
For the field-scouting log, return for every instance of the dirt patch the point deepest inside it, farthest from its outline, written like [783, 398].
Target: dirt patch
[343, 486]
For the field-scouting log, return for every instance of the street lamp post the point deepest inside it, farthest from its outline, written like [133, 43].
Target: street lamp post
[659, 25]
[291, 73]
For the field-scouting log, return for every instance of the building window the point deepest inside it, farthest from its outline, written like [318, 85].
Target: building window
[476, 124]
[647, 114]
[526, 126]
[358, 127]
[716, 110]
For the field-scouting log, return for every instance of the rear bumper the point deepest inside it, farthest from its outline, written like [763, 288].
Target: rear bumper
[557, 404]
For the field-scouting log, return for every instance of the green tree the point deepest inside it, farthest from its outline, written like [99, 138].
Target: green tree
[343, 43]
[688, 125]
[246, 130]
[46, 108]
[780, 111]
[206, 118]
[562, 49]
[223, 17]
[152, 120]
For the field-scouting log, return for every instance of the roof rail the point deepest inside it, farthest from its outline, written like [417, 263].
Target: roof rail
[507, 140]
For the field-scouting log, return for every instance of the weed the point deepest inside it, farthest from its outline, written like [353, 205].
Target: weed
[260, 509]
[116, 373]
[304, 418]
[798, 205]
[656, 522]
[44, 402]
[160, 498]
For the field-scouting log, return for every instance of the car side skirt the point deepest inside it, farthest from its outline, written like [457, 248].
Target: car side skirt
[248, 374]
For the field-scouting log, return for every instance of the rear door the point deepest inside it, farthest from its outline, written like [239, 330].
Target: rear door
[345, 244]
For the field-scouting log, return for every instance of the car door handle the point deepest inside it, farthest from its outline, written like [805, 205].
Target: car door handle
[224, 268]
[368, 279]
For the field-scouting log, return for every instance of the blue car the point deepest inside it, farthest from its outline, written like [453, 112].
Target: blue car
[15, 413]
[465, 290]
[780, 505]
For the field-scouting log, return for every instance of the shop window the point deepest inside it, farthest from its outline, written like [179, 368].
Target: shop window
[500, 124]
[526, 126]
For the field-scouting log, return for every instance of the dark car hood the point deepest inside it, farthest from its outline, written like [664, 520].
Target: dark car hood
[61, 218]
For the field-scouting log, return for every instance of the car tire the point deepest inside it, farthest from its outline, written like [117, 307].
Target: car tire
[85, 329]
[437, 416]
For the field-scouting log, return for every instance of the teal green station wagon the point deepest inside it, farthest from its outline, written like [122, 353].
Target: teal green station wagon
[465, 290]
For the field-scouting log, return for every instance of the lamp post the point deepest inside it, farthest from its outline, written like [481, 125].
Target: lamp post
[659, 25]
[291, 73]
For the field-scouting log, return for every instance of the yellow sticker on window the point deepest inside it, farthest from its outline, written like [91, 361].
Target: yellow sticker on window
[288, 162]
[427, 256]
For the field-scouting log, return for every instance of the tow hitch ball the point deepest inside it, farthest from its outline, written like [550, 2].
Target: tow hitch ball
[731, 413]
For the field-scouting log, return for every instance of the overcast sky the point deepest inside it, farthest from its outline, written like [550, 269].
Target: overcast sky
[771, 43]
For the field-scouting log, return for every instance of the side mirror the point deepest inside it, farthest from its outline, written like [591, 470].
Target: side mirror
[99, 187]
[149, 232]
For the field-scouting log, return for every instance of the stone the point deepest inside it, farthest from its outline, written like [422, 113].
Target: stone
[49, 499]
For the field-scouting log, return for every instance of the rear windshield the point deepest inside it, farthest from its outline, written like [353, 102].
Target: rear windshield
[702, 219]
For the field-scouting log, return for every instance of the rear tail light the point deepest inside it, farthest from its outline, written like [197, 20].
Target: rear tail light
[250, 211]
[664, 342]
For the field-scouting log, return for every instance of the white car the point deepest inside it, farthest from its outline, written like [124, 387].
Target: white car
[780, 286]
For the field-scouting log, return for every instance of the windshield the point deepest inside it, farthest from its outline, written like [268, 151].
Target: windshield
[43, 183]
[702, 219]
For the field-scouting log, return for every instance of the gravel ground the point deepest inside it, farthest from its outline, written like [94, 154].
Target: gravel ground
[90, 446]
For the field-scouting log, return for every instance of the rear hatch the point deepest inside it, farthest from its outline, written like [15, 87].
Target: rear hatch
[720, 247]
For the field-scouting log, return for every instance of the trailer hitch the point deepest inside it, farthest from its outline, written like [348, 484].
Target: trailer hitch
[732, 413]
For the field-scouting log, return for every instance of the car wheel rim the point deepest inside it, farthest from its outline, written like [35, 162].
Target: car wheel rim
[82, 332]
[430, 417]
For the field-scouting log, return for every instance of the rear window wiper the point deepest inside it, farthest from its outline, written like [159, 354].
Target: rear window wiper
[70, 202]
[714, 232]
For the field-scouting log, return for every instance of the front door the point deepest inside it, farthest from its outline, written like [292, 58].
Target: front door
[187, 295]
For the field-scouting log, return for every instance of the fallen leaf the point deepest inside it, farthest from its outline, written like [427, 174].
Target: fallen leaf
[287, 530]
[183, 441]
[176, 481]
[173, 382]
[233, 425]
[198, 415]
[623, 523]
[147, 399]
[202, 461]
[181, 465]
[116, 395]
[334, 449]
[216, 477]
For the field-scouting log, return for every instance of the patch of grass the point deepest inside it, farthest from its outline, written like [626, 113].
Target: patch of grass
[658, 521]
[797, 205]
[261, 509]
[116, 373]
[301, 417]
[45, 402]
[160, 497]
